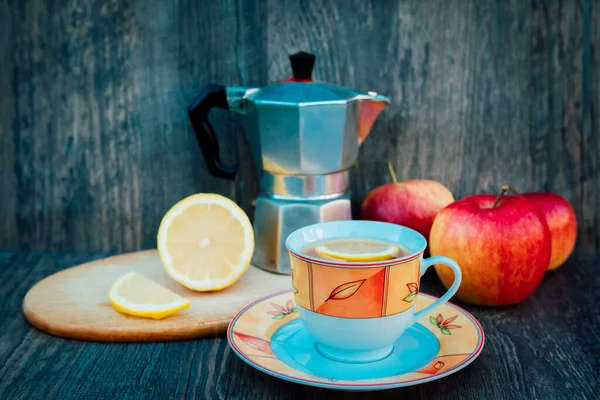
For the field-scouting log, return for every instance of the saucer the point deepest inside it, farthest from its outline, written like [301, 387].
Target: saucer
[269, 335]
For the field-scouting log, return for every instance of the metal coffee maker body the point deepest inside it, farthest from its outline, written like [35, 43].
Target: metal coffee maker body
[304, 138]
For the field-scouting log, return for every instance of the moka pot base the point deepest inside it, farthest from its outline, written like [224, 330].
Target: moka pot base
[288, 202]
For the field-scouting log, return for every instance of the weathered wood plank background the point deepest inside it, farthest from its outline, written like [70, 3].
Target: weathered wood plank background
[95, 145]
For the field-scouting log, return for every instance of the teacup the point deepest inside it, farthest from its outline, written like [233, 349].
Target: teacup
[356, 311]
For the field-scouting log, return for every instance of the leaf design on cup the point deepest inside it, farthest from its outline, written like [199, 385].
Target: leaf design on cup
[345, 290]
[293, 280]
[413, 288]
[410, 297]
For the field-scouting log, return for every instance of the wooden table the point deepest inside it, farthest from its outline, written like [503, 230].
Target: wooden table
[545, 348]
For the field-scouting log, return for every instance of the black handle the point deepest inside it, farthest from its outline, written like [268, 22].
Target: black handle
[211, 96]
[302, 65]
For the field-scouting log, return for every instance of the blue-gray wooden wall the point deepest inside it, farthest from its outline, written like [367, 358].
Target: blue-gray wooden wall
[95, 145]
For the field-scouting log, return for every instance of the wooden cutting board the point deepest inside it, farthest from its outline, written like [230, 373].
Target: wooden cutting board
[74, 302]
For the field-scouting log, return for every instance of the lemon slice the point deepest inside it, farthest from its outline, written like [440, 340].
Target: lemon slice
[205, 242]
[137, 295]
[357, 250]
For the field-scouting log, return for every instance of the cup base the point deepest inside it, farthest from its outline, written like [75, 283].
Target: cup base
[354, 357]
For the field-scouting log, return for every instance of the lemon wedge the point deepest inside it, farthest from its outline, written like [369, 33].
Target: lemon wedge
[205, 242]
[357, 251]
[137, 295]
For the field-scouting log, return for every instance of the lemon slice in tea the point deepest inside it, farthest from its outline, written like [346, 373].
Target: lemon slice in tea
[357, 250]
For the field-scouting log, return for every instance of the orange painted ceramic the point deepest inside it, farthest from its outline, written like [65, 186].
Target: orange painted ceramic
[356, 292]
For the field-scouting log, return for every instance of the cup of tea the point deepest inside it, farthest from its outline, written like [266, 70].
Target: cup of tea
[355, 284]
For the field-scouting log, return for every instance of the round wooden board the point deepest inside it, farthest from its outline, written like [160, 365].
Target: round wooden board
[74, 302]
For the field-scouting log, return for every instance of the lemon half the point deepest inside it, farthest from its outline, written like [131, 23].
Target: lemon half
[205, 242]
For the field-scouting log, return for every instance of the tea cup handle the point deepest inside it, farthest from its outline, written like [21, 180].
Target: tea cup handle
[428, 262]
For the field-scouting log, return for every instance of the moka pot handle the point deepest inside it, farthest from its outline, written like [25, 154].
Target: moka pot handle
[211, 96]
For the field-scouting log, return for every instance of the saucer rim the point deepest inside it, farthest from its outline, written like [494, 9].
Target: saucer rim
[353, 386]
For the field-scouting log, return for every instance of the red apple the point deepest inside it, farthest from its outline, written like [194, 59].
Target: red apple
[562, 223]
[412, 203]
[501, 243]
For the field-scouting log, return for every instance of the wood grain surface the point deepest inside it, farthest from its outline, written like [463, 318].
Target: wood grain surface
[95, 145]
[545, 348]
[74, 303]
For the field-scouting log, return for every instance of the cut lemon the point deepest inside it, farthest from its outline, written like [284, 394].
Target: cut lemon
[137, 295]
[205, 242]
[357, 250]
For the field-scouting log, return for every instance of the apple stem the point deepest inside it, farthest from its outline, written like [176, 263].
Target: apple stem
[505, 188]
[392, 173]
